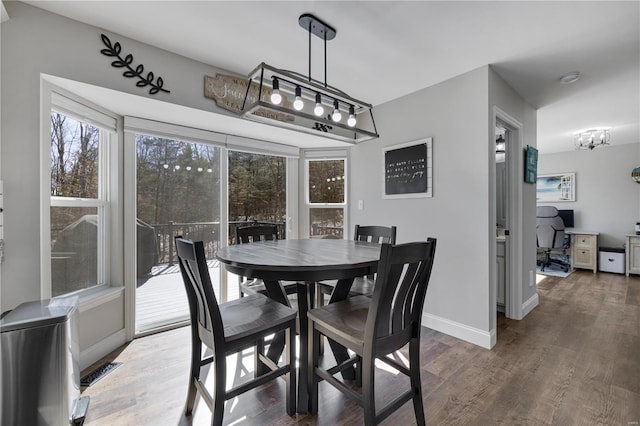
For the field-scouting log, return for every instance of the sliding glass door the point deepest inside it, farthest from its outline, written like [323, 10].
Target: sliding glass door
[257, 195]
[177, 193]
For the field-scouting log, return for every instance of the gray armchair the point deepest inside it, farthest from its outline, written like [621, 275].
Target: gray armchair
[550, 236]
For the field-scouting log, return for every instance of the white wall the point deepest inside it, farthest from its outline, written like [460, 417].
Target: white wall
[607, 199]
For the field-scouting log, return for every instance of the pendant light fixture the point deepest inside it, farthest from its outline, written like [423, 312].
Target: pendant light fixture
[300, 102]
[592, 138]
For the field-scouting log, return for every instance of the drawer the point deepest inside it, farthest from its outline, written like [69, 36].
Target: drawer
[582, 256]
[586, 241]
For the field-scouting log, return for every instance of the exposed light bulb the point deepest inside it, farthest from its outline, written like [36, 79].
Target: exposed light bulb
[337, 115]
[319, 109]
[298, 104]
[276, 97]
[351, 121]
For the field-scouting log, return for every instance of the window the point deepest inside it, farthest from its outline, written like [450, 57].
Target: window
[257, 191]
[326, 197]
[79, 219]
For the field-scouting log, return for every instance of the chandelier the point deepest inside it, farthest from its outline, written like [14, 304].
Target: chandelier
[292, 100]
[590, 139]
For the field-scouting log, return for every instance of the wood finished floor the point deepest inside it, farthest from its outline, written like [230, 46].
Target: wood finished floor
[574, 360]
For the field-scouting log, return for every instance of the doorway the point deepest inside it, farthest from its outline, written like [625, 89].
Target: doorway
[503, 135]
[177, 193]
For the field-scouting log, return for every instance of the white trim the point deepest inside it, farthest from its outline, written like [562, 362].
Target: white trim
[224, 219]
[81, 110]
[172, 131]
[461, 331]
[256, 146]
[513, 293]
[105, 346]
[325, 154]
[528, 305]
[45, 182]
[130, 233]
[100, 297]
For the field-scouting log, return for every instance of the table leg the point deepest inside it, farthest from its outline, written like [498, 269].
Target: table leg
[305, 294]
[341, 292]
[276, 292]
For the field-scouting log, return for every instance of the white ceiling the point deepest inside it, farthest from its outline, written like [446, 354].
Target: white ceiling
[387, 49]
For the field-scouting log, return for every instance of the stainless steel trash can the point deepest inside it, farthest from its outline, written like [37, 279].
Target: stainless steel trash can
[39, 365]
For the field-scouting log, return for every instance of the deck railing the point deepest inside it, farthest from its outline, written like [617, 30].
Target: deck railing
[207, 232]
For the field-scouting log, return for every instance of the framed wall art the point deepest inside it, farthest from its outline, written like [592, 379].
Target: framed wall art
[530, 164]
[408, 169]
[556, 187]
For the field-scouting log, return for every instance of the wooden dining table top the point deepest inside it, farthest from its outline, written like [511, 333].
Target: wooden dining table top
[305, 259]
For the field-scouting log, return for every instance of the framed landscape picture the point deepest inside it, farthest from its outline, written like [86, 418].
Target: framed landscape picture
[556, 187]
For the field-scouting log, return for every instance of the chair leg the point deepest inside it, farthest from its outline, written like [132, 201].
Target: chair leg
[258, 366]
[219, 389]
[290, 359]
[414, 369]
[314, 356]
[368, 389]
[194, 374]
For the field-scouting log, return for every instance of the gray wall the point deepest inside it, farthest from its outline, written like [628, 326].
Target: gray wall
[607, 199]
[36, 42]
[457, 114]
[523, 232]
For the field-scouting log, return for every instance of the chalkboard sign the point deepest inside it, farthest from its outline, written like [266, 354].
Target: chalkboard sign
[408, 171]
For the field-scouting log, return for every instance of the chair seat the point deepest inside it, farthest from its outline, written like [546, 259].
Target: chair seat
[252, 314]
[344, 321]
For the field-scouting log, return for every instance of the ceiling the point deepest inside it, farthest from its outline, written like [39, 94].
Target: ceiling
[384, 50]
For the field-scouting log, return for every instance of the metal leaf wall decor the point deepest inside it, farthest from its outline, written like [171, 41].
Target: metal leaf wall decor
[114, 50]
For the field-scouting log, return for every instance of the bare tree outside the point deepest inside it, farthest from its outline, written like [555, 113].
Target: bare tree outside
[74, 175]
[326, 188]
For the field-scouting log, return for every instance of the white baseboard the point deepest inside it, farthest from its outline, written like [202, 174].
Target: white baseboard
[469, 334]
[528, 305]
[102, 348]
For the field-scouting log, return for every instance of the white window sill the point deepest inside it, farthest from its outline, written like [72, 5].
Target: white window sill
[93, 299]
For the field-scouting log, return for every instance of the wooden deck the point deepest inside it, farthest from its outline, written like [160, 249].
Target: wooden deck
[161, 299]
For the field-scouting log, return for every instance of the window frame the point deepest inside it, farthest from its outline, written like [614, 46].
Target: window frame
[109, 273]
[325, 155]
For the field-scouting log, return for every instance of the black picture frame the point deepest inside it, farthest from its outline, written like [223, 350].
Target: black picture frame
[408, 170]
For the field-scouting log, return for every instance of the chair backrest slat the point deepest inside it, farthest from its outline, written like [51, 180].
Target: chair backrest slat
[203, 304]
[252, 233]
[375, 234]
[398, 297]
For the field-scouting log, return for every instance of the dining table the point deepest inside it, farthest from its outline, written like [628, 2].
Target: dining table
[304, 261]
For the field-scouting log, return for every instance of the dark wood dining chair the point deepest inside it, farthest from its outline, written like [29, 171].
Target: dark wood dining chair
[227, 329]
[376, 327]
[361, 285]
[250, 234]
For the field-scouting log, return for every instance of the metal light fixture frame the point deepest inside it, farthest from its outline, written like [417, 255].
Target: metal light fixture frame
[259, 108]
[592, 138]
